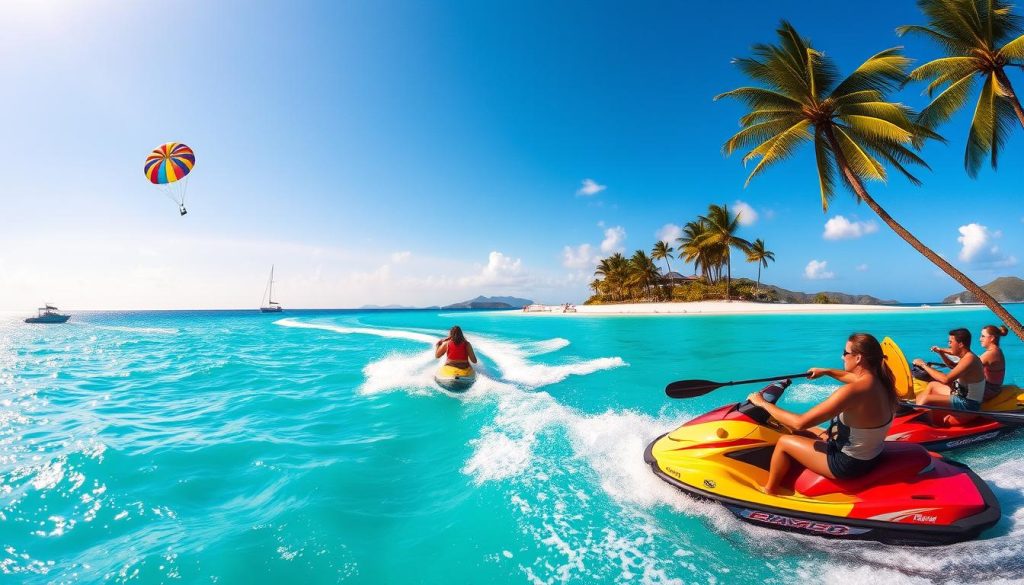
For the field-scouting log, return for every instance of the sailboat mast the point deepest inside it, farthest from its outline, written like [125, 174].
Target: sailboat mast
[270, 297]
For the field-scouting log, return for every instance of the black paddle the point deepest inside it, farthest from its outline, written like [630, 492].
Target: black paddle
[1010, 418]
[695, 388]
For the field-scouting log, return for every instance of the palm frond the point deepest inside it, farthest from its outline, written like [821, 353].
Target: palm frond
[1005, 121]
[758, 133]
[778, 148]
[1013, 49]
[944, 70]
[947, 103]
[784, 79]
[982, 133]
[860, 162]
[759, 98]
[897, 155]
[857, 97]
[951, 44]
[884, 71]
[758, 116]
[953, 19]
[878, 128]
[826, 168]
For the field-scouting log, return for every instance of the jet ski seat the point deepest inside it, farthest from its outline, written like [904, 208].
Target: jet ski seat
[899, 462]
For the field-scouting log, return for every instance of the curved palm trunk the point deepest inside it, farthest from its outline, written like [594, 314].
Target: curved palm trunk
[757, 287]
[1010, 95]
[939, 261]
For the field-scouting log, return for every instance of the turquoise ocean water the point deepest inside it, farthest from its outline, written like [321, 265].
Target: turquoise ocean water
[236, 447]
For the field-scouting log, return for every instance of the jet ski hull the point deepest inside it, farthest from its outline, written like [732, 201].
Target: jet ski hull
[910, 497]
[917, 427]
[455, 379]
[829, 526]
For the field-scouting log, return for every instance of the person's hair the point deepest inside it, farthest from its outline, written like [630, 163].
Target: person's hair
[868, 348]
[995, 332]
[456, 335]
[962, 335]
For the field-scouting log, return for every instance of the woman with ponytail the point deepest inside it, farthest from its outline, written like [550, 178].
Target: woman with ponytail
[861, 412]
[992, 361]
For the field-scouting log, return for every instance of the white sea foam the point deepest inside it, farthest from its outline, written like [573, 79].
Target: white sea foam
[389, 333]
[127, 329]
[415, 371]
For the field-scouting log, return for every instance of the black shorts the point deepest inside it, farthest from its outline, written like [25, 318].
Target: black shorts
[843, 466]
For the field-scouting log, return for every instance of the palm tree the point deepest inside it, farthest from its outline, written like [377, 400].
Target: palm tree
[690, 250]
[849, 122]
[642, 273]
[662, 251]
[758, 253]
[721, 233]
[981, 38]
[614, 271]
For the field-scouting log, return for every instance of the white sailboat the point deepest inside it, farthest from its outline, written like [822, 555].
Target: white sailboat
[271, 306]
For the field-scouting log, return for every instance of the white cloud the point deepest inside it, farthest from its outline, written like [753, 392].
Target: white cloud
[590, 187]
[862, 267]
[613, 239]
[817, 270]
[839, 228]
[399, 257]
[976, 246]
[746, 213]
[501, 270]
[580, 257]
[668, 233]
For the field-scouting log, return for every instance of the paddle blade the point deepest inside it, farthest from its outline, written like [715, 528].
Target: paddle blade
[897, 362]
[690, 388]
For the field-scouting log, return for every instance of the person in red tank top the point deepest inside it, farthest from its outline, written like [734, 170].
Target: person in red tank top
[455, 348]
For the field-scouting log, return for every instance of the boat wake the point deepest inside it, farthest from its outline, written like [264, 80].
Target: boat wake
[511, 362]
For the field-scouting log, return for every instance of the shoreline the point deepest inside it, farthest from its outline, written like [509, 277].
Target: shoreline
[734, 308]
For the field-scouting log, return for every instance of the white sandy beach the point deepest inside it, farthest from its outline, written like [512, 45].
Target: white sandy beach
[730, 308]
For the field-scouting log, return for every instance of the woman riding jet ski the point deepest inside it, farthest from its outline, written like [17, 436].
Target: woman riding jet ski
[902, 495]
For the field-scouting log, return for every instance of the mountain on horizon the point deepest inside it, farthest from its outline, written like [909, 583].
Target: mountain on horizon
[483, 302]
[790, 296]
[1005, 289]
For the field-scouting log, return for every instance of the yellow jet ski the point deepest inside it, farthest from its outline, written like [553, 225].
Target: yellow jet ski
[454, 378]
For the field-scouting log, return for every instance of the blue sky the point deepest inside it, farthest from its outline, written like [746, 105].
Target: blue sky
[425, 153]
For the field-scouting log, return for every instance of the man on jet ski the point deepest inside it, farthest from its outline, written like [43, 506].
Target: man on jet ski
[861, 411]
[963, 387]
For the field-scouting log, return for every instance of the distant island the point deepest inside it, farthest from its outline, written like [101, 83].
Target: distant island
[482, 302]
[1005, 289]
[824, 297]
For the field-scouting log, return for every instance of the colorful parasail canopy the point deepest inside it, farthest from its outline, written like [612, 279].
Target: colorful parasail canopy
[169, 163]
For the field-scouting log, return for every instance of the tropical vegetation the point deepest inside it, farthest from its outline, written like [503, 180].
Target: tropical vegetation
[854, 129]
[706, 242]
[981, 39]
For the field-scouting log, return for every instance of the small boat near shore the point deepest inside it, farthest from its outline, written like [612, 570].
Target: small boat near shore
[48, 314]
[271, 306]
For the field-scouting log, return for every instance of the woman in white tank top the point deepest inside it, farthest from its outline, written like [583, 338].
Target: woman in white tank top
[861, 412]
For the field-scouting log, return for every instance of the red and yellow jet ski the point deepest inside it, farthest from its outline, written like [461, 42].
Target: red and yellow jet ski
[912, 497]
[949, 431]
